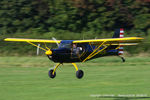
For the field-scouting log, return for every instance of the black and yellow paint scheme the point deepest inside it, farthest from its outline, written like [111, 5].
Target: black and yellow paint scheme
[71, 51]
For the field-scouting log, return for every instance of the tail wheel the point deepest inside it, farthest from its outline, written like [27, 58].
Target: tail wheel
[79, 74]
[50, 74]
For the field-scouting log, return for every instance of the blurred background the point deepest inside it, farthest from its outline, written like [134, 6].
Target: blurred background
[72, 19]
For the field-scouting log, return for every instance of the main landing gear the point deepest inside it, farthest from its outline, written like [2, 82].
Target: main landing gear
[79, 74]
[52, 72]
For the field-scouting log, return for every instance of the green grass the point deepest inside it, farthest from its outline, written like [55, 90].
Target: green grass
[26, 78]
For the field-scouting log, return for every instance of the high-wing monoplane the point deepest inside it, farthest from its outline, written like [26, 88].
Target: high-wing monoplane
[71, 51]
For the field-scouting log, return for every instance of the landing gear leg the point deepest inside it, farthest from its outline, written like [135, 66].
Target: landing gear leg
[52, 72]
[79, 73]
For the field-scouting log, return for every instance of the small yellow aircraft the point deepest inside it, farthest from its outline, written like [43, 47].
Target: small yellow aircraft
[71, 51]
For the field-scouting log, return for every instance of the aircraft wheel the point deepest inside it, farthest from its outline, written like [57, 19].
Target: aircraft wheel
[79, 74]
[50, 74]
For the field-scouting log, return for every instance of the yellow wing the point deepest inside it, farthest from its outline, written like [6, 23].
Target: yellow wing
[113, 41]
[32, 40]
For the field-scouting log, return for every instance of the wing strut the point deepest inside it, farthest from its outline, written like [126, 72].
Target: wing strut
[96, 51]
[36, 45]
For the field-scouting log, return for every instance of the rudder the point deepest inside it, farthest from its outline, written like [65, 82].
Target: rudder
[119, 33]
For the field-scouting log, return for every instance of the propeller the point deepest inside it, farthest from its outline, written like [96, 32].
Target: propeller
[55, 41]
[38, 49]
[48, 52]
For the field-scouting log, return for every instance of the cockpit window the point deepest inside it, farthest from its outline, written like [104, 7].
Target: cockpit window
[65, 45]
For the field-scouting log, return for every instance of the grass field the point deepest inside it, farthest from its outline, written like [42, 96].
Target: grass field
[26, 78]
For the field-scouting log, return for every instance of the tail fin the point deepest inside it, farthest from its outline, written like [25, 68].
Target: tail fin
[121, 46]
[119, 33]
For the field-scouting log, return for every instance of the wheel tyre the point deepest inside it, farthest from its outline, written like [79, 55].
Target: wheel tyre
[79, 74]
[50, 74]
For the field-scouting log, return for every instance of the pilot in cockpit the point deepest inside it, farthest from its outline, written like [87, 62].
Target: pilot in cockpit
[76, 49]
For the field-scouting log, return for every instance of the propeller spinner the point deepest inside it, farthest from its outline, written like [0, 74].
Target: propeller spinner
[48, 52]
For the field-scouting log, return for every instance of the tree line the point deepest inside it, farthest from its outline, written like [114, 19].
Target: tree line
[73, 19]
